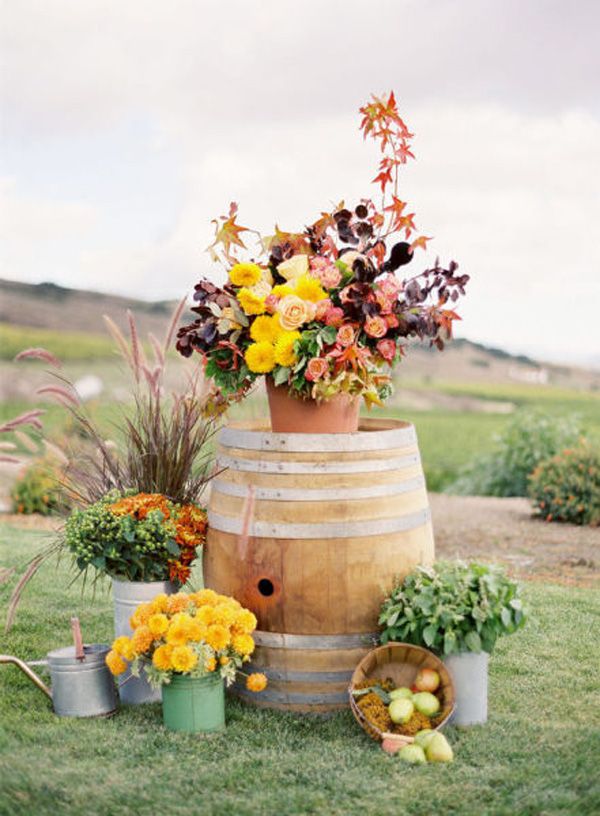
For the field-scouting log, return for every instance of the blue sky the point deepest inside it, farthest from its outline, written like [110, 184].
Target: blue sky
[128, 126]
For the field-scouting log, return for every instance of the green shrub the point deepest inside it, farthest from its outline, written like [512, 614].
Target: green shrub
[530, 438]
[567, 486]
[37, 490]
[452, 607]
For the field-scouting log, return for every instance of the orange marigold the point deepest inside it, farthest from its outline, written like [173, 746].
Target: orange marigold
[256, 682]
[115, 663]
[162, 657]
[177, 603]
[123, 647]
[159, 603]
[141, 615]
[142, 639]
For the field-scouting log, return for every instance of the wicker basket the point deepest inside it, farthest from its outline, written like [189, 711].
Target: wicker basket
[400, 662]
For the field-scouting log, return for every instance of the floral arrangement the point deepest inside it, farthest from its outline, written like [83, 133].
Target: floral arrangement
[453, 607]
[323, 311]
[140, 537]
[195, 634]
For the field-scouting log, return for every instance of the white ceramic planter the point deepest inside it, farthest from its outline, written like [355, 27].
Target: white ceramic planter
[469, 672]
[127, 595]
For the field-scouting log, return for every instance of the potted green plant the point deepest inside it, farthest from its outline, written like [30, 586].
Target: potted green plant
[458, 611]
[324, 314]
[190, 645]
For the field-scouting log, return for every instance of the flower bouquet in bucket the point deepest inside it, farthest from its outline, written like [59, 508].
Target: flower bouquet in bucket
[323, 313]
[190, 645]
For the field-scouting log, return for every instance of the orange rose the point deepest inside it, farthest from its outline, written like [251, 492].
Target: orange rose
[345, 335]
[293, 312]
[316, 368]
[376, 326]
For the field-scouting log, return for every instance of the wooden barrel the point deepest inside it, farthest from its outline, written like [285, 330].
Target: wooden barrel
[337, 518]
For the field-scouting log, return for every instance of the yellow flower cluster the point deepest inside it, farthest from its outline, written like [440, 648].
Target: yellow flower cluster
[197, 631]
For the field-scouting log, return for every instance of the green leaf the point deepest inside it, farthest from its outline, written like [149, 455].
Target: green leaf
[173, 547]
[281, 375]
[473, 641]
[429, 633]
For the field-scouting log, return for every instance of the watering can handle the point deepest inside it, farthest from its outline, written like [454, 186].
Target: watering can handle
[76, 629]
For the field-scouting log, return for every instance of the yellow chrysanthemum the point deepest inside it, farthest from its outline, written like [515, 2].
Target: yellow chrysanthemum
[177, 634]
[224, 660]
[183, 659]
[158, 624]
[251, 303]
[159, 603]
[260, 357]
[256, 682]
[123, 647]
[265, 329]
[243, 644]
[204, 596]
[177, 603]
[140, 616]
[225, 614]
[246, 621]
[284, 348]
[217, 636]
[196, 630]
[115, 662]
[245, 274]
[211, 664]
[205, 615]
[309, 288]
[162, 657]
[142, 639]
[281, 290]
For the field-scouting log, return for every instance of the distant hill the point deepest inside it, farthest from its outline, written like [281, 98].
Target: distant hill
[46, 306]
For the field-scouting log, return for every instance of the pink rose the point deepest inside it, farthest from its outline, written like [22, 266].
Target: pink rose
[345, 335]
[392, 321]
[323, 306]
[385, 302]
[390, 285]
[376, 326]
[334, 317]
[317, 367]
[326, 271]
[387, 349]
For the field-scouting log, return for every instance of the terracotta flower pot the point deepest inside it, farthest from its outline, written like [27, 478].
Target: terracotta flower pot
[291, 414]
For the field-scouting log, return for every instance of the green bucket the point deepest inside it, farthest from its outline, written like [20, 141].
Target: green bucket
[194, 704]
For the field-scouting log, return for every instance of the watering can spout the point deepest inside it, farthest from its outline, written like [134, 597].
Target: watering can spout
[28, 672]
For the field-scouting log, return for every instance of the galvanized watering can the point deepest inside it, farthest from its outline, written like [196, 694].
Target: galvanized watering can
[82, 685]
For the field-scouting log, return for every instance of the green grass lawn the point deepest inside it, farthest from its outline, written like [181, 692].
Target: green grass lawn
[539, 753]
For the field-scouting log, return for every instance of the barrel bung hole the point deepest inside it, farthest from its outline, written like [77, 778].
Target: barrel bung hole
[265, 587]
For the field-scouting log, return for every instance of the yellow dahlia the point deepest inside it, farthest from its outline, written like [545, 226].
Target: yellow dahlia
[142, 639]
[260, 357]
[256, 682]
[243, 644]
[183, 659]
[123, 647]
[265, 328]
[162, 657]
[217, 636]
[284, 348]
[251, 303]
[245, 274]
[309, 288]
[246, 621]
[159, 603]
[158, 624]
[115, 663]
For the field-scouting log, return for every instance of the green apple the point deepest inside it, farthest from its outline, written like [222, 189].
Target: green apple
[422, 737]
[401, 710]
[412, 753]
[438, 749]
[426, 703]
[401, 693]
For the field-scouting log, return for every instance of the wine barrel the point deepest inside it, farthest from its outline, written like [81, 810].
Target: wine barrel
[336, 519]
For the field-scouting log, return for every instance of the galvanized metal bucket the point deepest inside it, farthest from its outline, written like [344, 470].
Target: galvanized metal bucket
[469, 672]
[127, 596]
[82, 688]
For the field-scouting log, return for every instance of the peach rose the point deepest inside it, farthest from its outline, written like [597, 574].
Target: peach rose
[271, 303]
[376, 326]
[293, 312]
[317, 367]
[334, 317]
[326, 271]
[322, 307]
[345, 335]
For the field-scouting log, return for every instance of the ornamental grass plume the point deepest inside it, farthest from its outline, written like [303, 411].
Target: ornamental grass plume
[196, 634]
